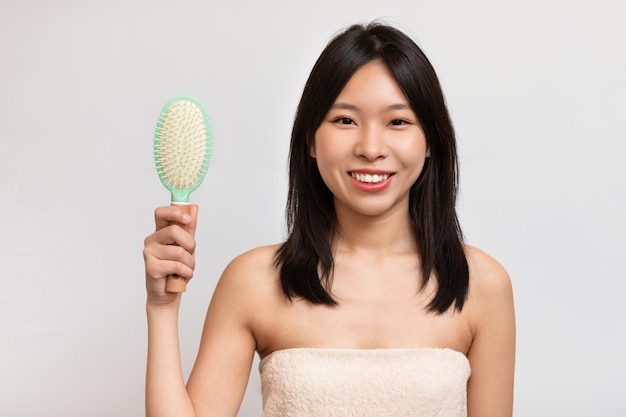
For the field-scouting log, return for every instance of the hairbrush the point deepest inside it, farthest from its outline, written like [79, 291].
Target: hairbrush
[182, 151]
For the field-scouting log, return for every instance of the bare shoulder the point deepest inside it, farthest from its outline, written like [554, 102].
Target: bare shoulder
[249, 278]
[259, 259]
[254, 268]
[490, 291]
[487, 275]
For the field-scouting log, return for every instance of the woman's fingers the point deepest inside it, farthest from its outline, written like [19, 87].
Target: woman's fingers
[171, 255]
[159, 269]
[164, 259]
[169, 250]
[172, 235]
[171, 241]
[165, 216]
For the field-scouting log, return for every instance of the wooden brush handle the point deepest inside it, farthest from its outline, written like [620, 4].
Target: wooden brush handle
[176, 283]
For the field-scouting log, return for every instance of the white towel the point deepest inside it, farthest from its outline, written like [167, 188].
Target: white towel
[321, 382]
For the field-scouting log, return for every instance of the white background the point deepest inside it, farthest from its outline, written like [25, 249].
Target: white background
[537, 92]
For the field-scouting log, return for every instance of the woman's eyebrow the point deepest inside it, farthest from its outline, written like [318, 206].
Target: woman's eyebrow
[348, 106]
[345, 106]
[399, 106]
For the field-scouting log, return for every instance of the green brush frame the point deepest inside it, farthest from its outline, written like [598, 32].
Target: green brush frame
[181, 195]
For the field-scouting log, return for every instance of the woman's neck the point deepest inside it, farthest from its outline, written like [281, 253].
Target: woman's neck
[390, 233]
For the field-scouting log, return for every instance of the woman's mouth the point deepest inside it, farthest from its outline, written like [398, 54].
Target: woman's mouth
[369, 178]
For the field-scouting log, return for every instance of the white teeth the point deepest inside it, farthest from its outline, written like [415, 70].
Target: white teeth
[369, 178]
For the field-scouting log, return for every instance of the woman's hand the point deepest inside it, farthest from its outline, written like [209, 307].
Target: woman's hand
[169, 250]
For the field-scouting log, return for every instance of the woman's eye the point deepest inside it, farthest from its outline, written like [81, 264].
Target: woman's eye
[398, 122]
[344, 121]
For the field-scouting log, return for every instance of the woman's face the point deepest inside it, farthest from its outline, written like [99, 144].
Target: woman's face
[370, 147]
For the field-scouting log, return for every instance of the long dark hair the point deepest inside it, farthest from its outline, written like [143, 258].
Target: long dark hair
[305, 260]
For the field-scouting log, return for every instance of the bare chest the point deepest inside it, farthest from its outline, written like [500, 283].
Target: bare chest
[385, 316]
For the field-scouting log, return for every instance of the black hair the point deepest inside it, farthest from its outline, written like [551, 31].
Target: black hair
[305, 259]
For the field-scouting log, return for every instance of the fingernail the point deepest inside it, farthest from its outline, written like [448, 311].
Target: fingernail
[186, 217]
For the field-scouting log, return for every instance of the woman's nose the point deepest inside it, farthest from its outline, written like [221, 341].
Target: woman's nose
[371, 143]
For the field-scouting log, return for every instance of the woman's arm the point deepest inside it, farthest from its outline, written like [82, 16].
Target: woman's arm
[168, 250]
[166, 394]
[492, 353]
[220, 375]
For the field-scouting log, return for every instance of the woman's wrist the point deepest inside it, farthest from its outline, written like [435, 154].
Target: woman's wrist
[159, 308]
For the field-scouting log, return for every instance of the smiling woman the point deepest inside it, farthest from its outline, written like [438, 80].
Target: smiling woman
[373, 305]
[379, 57]
[370, 142]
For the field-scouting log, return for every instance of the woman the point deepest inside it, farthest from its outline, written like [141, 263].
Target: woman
[373, 305]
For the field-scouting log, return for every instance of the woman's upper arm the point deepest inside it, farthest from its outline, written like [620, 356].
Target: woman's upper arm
[219, 377]
[492, 353]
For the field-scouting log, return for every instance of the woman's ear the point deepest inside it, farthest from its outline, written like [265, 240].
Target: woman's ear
[312, 149]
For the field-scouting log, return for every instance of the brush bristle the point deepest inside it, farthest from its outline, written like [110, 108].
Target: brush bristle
[182, 150]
